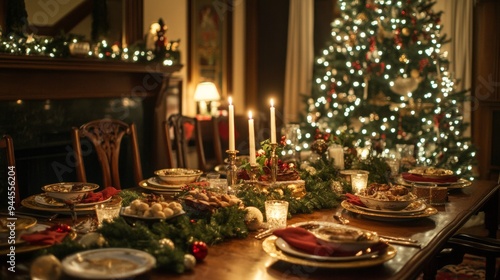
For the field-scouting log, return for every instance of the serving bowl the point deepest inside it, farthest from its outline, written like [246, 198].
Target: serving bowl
[347, 237]
[395, 205]
[178, 176]
[69, 191]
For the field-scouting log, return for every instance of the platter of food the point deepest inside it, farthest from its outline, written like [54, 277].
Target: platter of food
[413, 208]
[432, 172]
[156, 182]
[159, 190]
[152, 211]
[386, 197]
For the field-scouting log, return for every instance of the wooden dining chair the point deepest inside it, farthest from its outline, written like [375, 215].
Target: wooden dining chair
[186, 130]
[460, 244]
[7, 144]
[221, 135]
[106, 135]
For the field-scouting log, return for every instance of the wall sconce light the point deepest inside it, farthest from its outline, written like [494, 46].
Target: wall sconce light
[206, 92]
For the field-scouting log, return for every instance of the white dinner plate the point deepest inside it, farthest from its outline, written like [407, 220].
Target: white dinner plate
[155, 181]
[412, 209]
[109, 263]
[270, 247]
[47, 201]
[159, 190]
[285, 247]
[429, 211]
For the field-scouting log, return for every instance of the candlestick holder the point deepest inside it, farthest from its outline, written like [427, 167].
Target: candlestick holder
[231, 169]
[274, 162]
[254, 171]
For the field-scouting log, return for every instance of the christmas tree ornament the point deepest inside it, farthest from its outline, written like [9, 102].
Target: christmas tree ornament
[46, 267]
[166, 242]
[199, 250]
[189, 261]
[403, 86]
[254, 218]
[405, 31]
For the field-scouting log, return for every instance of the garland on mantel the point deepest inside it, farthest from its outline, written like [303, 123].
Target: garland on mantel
[60, 46]
[170, 241]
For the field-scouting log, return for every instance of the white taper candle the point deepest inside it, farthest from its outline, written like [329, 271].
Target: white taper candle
[231, 125]
[273, 123]
[251, 136]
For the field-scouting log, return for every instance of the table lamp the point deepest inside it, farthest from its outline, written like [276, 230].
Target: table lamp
[206, 91]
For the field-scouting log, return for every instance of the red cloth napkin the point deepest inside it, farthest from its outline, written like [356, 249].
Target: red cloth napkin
[418, 178]
[46, 237]
[305, 241]
[354, 199]
[100, 196]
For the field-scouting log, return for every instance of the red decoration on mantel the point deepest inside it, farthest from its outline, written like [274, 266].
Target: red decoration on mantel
[199, 250]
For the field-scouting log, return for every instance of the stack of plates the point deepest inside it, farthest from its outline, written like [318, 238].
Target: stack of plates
[416, 210]
[278, 248]
[157, 186]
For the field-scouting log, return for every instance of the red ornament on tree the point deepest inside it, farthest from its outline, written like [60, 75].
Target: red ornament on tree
[199, 250]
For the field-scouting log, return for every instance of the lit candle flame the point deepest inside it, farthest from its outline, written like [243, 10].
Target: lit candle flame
[249, 114]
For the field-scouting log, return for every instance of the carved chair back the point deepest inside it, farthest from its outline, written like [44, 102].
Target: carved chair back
[106, 135]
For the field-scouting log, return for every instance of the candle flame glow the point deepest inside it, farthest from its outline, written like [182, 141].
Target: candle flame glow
[230, 100]
[272, 102]
[249, 114]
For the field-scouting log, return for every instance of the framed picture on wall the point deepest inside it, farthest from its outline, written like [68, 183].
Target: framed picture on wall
[209, 57]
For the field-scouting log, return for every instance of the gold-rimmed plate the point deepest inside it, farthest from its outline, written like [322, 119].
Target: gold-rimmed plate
[415, 207]
[25, 247]
[30, 203]
[45, 200]
[19, 222]
[159, 190]
[429, 211]
[459, 184]
[270, 247]
[108, 263]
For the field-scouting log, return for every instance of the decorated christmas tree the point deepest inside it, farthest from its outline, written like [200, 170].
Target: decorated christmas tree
[383, 80]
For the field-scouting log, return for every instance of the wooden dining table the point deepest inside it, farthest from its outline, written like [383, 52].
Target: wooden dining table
[246, 258]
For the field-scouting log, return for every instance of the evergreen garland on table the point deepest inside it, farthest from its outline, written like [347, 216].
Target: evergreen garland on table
[324, 187]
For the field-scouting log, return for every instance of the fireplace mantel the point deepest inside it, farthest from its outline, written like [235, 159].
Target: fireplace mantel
[39, 78]
[78, 89]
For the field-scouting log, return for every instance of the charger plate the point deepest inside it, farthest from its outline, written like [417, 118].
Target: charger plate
[429, 211]
[459, 184]
[270, 247]
[158, 190]
[30, 202]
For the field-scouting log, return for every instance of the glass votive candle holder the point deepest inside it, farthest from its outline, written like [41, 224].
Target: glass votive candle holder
[393, 164]
[359, 181]
[218, 185]
[276, 213]
[107, 211]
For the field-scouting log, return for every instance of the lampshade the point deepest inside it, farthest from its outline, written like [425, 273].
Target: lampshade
[206, 91]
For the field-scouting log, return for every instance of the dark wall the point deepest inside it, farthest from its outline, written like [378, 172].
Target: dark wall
[267, 31]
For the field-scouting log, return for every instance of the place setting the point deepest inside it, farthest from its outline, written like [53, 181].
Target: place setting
[320, 243]
[169, 181]
[432, 175]
[388, 202]
[71, 197]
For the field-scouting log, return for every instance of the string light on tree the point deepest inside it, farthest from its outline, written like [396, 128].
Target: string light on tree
[383, 77]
